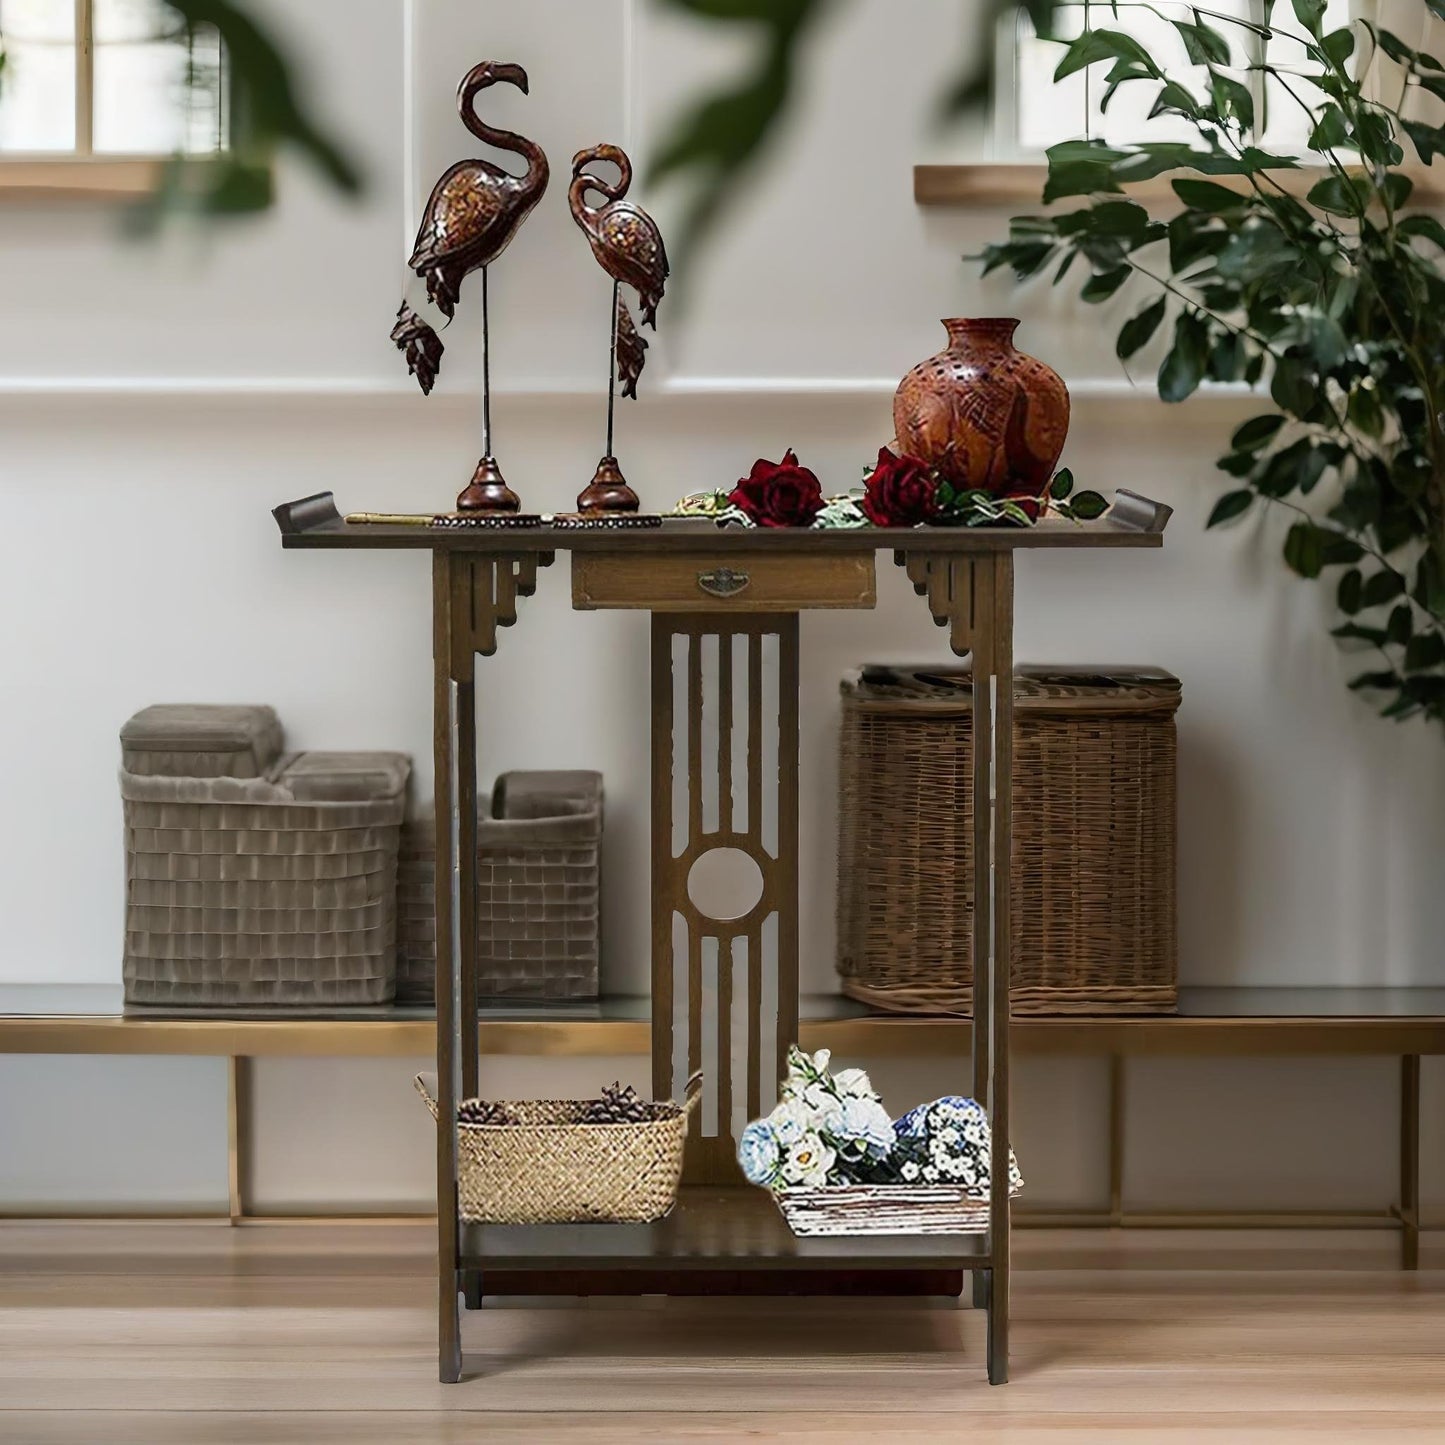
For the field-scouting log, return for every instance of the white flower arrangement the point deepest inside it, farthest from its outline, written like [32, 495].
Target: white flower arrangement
[835, 1130]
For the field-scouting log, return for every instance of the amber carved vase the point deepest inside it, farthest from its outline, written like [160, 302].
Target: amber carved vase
[982, 413]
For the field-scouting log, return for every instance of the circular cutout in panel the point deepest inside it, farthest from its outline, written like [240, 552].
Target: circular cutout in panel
[725, 883]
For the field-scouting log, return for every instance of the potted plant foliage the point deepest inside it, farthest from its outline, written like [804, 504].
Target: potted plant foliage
[1327, 296]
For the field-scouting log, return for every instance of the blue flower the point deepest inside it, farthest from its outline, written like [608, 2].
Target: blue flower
[758, 1153]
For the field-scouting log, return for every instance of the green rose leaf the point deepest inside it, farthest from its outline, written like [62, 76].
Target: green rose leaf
[1088, 506]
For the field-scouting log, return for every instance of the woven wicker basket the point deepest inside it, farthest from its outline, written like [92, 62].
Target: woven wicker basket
[538, 892]
[1094, 815]
[874, 1209]
[549, 1168]
[264, 891]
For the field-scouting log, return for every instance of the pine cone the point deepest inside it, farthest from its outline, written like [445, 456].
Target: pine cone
[479, 1111]
[619, 1105]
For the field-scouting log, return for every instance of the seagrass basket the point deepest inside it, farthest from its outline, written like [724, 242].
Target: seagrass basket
[539, 927]
[550, 1168]
[1094, 819]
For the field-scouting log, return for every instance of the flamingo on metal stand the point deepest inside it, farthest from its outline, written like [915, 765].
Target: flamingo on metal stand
[474, 211]
[628, 246]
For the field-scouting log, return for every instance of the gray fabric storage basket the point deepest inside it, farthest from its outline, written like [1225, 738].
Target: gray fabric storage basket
[271, 890]
[538, 892]
[195, 740]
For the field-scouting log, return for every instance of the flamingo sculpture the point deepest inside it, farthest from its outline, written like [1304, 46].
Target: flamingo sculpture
[473, 213]
[628, 246]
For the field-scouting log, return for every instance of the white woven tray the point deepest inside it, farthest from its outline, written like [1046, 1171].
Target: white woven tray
[882, 1209]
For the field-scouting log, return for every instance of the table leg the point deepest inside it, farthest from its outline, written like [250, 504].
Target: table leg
[238, 1108]
[446, 655]
[1118, 1102]
[1410, 1161]
[995, 670]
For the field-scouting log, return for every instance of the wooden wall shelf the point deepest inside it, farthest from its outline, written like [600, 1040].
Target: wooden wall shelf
[987, 184]
[78, 178]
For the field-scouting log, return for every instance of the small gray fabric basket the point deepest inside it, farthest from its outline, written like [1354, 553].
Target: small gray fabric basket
[538, 892]
[270, 890]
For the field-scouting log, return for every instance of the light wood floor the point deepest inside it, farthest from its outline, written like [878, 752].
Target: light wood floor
[165, 1333]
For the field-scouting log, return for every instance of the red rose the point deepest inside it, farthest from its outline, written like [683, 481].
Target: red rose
[779, 494]
[901, 492]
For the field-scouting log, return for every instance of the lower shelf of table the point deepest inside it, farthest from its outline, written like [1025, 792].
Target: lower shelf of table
[710, 1229]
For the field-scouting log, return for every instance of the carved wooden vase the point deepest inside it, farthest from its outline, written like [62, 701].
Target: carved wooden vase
[984, 414]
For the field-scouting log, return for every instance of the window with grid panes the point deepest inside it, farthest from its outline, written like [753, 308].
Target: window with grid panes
[1033, 113]
[108, 78]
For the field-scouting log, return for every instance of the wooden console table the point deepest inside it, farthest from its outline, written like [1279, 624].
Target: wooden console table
[725, 607]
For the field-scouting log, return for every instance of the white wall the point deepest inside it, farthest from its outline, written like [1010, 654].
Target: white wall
[156, 402]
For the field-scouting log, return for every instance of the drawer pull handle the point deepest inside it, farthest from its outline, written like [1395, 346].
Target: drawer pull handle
[723, 582]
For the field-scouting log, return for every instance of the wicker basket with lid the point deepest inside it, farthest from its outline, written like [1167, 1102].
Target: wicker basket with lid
[1094, 819]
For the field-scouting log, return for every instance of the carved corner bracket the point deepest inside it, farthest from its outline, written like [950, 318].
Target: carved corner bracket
[965, 594]
[481, 592]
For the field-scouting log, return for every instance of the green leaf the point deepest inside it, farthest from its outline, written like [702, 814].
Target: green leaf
[1088, 506]
[1364, 412]
[1062, 484]
[1293, 386]
[1230, 506]
[1404, 54]
[1340, 195]
[1383, 587]
[1427, 228]
[1237, 464]
[1303, 549]
[1139, 328]
[1429, 589]
[1174, 99]
[1425, 651]
[1396, 189]
[1208, 196]
[1339, 45]
[1183, 368]
[1330, 129]
[1096, 45]
[1310, 13]
[1401, 625]
[1428, 140]
[1353, 632]
[1078, 178]
[1100, 287]
[1256, 432]
[1348, 596]
[1203, 45]
[1375, 681]
[1233, 99]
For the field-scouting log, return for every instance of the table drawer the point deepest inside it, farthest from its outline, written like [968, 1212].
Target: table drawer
[709, 582]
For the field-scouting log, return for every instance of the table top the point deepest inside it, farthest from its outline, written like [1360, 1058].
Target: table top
[1132, 521]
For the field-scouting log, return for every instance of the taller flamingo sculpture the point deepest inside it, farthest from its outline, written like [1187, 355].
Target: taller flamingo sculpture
[628, 246]
[473, 213]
